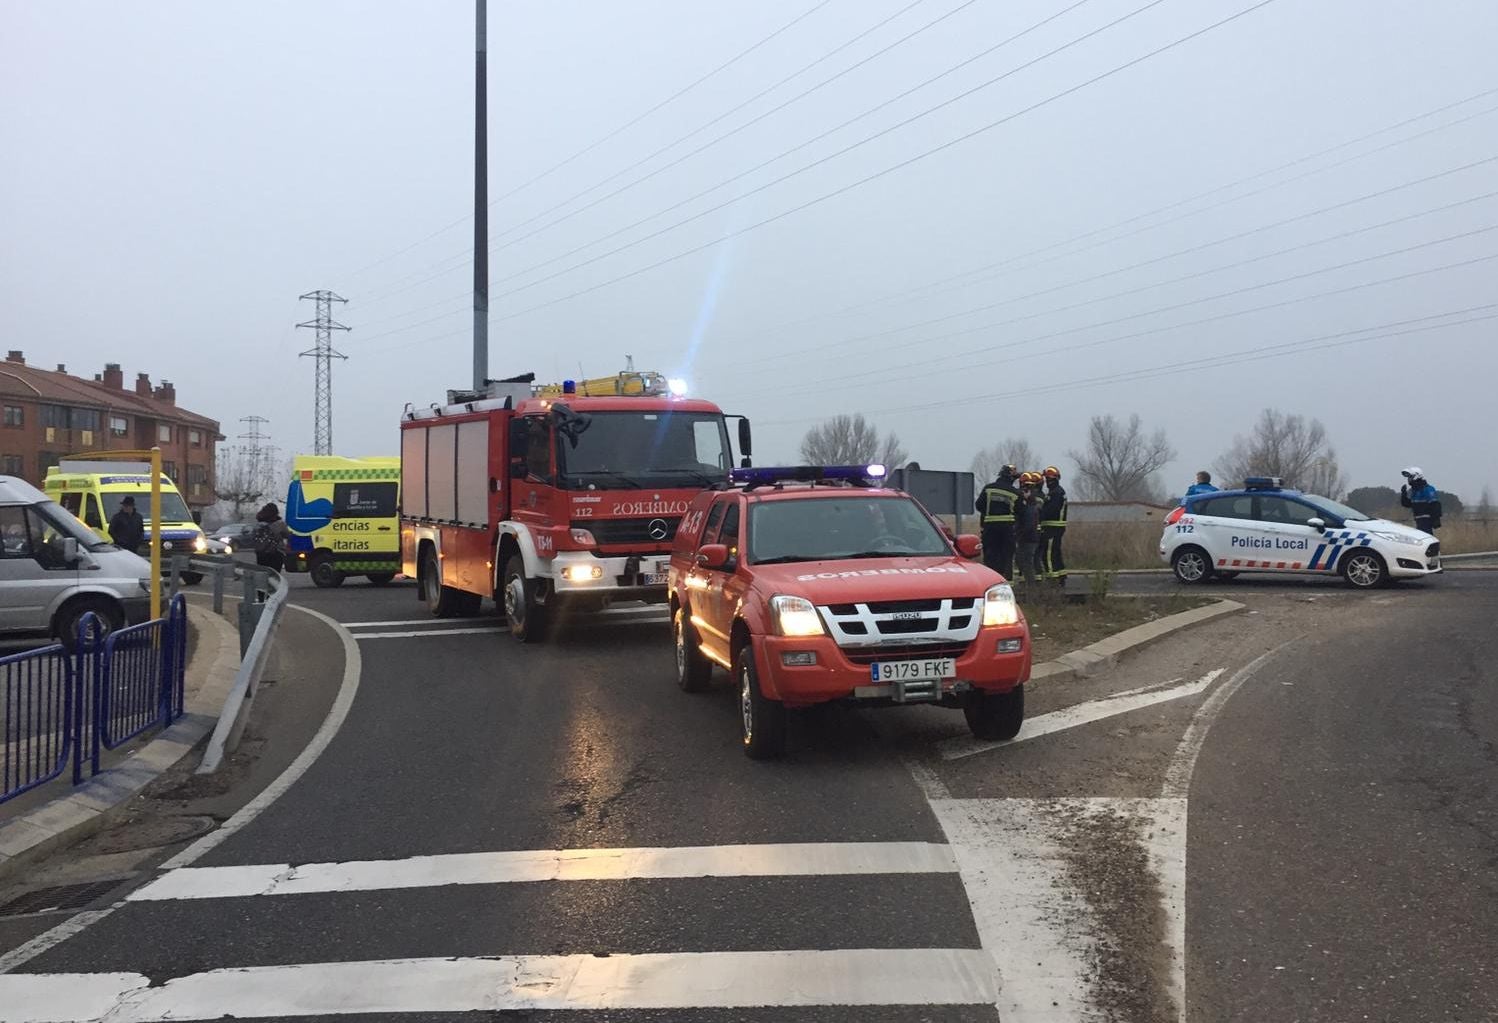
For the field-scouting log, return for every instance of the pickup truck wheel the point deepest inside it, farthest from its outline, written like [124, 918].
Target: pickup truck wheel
[763, 718]
[693, 671]
[996, 717]
[526, 616]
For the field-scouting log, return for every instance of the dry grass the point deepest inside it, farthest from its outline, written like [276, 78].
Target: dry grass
[1057, 628]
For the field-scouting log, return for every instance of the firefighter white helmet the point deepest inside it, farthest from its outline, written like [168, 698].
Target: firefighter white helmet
[1414, 472]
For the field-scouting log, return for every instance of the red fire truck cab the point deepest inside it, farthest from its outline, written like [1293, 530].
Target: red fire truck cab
[554, 498]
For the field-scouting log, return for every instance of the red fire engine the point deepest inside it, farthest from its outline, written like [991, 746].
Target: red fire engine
[553, 498]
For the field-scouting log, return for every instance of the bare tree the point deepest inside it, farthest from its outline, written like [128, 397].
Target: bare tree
[1291, 447]
[1120, 461]
[1015, 451]
[851, 440]
[244, 482]
[1485, 505]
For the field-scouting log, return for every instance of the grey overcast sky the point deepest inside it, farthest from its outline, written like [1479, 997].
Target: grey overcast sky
[174, 174]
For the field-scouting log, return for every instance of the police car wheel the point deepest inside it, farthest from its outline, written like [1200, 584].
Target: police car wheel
[1191, 565]
[996, 717]
[693, 671]
[1364, 570]
[763, 719]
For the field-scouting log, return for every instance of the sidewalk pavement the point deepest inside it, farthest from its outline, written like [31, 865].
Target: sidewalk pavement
[35, 830]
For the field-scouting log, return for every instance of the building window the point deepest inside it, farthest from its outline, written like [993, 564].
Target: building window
[12, 465]
[83, 419]
[119, 425]
[164, 434]
[169, 470]
[15, 415]
[46, 460]
[55, 416]
[195, 438]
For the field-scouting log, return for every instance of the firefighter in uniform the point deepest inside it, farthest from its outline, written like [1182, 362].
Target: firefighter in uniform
[995, 505]
[1053, 525]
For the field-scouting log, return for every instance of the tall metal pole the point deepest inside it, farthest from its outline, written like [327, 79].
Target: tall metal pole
[480, 201]
[323, 355]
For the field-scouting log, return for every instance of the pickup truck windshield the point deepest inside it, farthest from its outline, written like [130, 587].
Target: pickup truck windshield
[839, 528]
[646, 449]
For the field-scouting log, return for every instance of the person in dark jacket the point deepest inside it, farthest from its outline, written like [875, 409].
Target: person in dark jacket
[1422, 499]
[995, 507]
[1053, 526]
[127, 529]
[1027, 526]
[270, 536]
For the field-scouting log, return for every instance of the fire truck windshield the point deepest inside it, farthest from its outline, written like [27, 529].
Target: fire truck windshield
[636, 449]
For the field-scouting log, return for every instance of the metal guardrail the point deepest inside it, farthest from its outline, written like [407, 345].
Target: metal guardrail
[59, 706]
[263, 598]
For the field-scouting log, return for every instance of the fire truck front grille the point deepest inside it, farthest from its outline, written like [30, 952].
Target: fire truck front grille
[610, 532]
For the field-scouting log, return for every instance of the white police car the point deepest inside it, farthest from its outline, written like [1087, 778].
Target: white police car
[1267, 528]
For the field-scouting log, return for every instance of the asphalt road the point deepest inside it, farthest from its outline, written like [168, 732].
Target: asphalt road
[1340, 845]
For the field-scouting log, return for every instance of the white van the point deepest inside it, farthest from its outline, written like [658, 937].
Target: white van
[54, 569]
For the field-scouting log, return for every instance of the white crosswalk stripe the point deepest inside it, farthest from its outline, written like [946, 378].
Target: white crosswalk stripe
[712, 978]
[421, 628]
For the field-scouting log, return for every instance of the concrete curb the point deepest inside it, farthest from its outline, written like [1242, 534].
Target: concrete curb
[93, 805]
[1105, 653]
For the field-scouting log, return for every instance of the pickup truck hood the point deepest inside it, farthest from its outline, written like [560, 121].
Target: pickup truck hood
[860, 580]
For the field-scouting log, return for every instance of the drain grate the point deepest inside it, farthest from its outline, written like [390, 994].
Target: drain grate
[60, 897]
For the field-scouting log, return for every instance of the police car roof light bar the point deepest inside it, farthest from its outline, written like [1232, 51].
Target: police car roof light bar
[1262, 483]
[764, 475]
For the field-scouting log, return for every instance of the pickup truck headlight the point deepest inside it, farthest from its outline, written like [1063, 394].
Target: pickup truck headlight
[144, 584]
[999, 606]
[200, 546]
[796, 616]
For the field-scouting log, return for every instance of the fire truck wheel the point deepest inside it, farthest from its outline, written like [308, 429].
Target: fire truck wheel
[441, 600]
[693, 671]
[525, 614]
[996, 717]
[763, 718]
[324, 573]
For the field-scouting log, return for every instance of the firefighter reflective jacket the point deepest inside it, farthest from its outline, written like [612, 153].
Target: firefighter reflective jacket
[996, 503]
[1053, 510]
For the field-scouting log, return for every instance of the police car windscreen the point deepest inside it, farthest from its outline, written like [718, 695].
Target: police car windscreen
[1337, 509]
[651, 448]
[838, 528]
[173, 508]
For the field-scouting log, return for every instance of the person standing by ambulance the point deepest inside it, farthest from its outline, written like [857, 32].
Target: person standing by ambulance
[995, 507]
[1053, 526]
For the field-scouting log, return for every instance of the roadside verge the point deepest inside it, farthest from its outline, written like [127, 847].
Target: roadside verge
[1104, 654]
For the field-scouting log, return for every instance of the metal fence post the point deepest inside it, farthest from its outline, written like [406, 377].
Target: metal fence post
[219, 572]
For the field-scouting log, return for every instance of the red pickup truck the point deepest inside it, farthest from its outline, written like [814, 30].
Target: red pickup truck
[816, 584]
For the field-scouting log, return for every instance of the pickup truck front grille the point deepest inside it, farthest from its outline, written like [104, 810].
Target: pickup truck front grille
[871, 654]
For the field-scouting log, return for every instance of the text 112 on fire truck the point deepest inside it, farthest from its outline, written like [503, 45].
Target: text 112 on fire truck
[555, 498]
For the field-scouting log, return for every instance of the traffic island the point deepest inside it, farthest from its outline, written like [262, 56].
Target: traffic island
[1065, 626]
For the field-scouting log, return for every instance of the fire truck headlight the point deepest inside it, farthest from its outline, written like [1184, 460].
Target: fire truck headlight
[677, 386]
[796, 616]
[582, 573]
[583, 538]
[999, 606]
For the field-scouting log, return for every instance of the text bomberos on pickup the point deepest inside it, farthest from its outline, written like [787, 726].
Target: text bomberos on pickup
[554, 497]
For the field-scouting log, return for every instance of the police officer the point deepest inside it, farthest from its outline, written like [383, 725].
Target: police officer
[1422, 499]
[1053, 526]
[995, 506]
[1203, 485]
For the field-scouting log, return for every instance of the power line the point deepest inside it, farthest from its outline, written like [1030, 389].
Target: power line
[1009, 261]
[613, 134]
[682, 138]
[824, 349]
[1098, 343]
[809, 166]
[1277, 350]
[882, 173]
[1229, 186]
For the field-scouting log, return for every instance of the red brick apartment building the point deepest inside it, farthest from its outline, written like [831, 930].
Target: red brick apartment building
[46, 414]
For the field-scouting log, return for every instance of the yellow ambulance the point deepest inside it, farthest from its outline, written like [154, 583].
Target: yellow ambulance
[344, 517]
[93, 491]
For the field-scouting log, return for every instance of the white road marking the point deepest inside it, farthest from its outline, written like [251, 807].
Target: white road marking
[785, 860]
[1037, 934]
[1077, 715]
[422, 633]
[398, 621]
[347, 690]
[679, 980]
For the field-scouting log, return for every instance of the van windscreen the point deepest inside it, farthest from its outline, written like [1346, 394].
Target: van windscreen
[173, 508]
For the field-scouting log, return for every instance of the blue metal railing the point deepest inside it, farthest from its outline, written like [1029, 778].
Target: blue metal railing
[58, 706]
